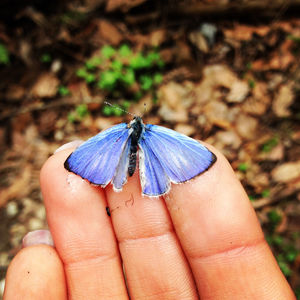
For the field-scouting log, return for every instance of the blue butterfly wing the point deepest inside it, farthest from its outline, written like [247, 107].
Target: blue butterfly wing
[120, 176]
[154, 180]
[98, 158]
[179, 157]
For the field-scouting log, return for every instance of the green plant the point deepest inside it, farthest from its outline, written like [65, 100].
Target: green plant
[4, 55]
[282, 245]
[243, 167]
[270, 144]
[63, 91]
[122, 73]
[274, 217]
[251, 83]
[46, 58]
[78, 114]
[265, 193]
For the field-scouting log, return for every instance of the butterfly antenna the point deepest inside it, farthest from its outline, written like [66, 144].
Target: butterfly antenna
[145, 110]
[119, 108]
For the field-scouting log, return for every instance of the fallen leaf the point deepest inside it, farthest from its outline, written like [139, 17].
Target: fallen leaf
[123, 5]
[259, 101]
[46, 86]
[217, 113]
[185, 129]
[246, 126]
[173, 99]
[108, 32]
[197, 38]
[286, 172]
[238, 92]
[283, 101]
[20, 186]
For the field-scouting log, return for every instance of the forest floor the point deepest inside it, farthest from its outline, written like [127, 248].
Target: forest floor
[234, 84]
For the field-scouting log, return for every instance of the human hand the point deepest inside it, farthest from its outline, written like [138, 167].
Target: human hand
[203, 241]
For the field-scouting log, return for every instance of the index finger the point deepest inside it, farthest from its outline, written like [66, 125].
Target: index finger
[222, 239]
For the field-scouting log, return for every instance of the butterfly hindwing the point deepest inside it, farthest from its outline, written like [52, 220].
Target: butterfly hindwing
[153, 179]
[98, 158]
[179, 157]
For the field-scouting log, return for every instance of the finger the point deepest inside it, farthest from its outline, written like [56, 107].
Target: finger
[36, 272]
[222, 239]
[82, 233]
[154, 263]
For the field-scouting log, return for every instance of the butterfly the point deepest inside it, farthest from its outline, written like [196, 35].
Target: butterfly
[164, 157]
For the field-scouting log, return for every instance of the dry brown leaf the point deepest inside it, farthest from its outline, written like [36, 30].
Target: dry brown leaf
[246, 126]
[123, 5]
[197, 38]
[239, 91]
[259, 101]
[109, 32]
[286, 172]
[185, 129]
[157, 37]
[283, 101]
[15, 92]
[217, 113]
[46, 86]
[245, 32]
[19, 188]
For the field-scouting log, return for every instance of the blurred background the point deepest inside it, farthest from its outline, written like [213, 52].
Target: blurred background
[226, 72]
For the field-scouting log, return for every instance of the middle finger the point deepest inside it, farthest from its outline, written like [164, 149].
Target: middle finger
[154, 262]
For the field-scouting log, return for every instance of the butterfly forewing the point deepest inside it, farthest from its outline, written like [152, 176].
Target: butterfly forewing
[181, 158]
[97, 159]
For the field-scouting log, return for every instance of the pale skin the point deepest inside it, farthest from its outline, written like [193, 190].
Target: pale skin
[202, 240]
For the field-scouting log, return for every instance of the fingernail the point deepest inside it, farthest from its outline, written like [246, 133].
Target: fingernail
[72, 144]
[37, 237]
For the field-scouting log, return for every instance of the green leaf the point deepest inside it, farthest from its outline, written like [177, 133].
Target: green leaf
[71, 117]
[158, 78]
[126, 104]
[251, 83]
[270, 144]
[291, 255]
[139, 61]
[252, 198]
[277, 240]
[243, 167]
[82, 110]
[274, 217]
[46, 58]
[108, 51]
[117, 112]
[266, 193]
[4, 55]
[90, 78]
[146, 82]
[93, 62]
[285, 268]
[108, 80]
[107, 110]
[63, 91]
[125, 51]
[82, 73]
[128, 77]
[117, 65]
[294, 38]
[138, 95]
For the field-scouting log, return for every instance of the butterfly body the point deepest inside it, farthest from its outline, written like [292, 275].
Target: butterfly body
[137, 130]
[165, 156]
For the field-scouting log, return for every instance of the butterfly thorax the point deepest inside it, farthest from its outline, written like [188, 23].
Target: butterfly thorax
[137, 127]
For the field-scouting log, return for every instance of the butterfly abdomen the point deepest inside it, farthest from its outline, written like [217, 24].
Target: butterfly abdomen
[137, 129]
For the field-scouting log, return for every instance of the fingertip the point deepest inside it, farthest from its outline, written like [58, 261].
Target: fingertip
[36, 272]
